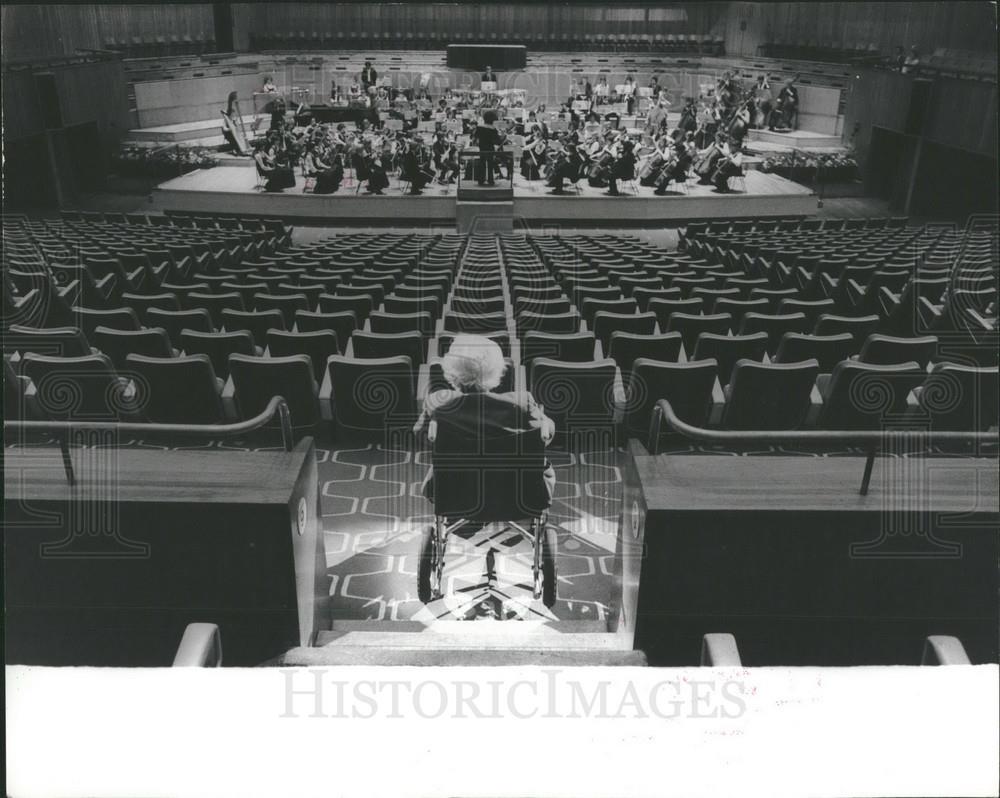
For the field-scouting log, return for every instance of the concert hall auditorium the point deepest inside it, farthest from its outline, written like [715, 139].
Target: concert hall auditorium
[613, 336]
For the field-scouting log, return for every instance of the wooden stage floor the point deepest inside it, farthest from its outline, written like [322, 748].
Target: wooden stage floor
[231, 189]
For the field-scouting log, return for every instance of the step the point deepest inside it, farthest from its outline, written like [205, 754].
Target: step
[366, 656]
[441, 627]
[184, 131]
[474, 639]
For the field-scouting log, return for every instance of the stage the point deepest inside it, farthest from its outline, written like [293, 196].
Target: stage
[232, 189]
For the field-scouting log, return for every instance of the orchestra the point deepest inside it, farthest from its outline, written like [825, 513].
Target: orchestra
[405, 133]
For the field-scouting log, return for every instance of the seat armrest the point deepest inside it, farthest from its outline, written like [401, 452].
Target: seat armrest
[718, 403]
[423, 381]
[326, 396]
[619, 397]
[815, 404]
[200, 647]
[229, 399]
[944, 650]
[719, 650]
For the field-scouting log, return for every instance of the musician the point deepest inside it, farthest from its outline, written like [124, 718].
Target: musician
[533, 155]
[412, 168]
[278, 110]
[488, 76]
[564, 164]
[232, 125]
[450, 165]
[628, 94]
[368, 77]
[487, 138]
[654, 88]
[663, 147]
[623, 167]
[656, 119]
[602, 90]
[706, 160]
[730, 164]
[788, 101]
[912, 62]
[334, 93]
[689, 116]
[740, 123]
[675, 169]
[763, 100]
[277, 176]
[269, 87]
[327, 173]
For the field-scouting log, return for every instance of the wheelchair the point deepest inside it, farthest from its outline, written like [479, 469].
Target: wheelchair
[486, 477]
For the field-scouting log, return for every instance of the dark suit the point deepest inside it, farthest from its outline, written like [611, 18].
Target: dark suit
[487, 139]
[369, 77]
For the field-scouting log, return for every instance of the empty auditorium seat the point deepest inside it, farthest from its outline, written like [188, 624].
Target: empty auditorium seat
[578, 397]
[89, 319]
[625, 347]
[556, 323]
[52, 341]
[687, 386]
[386, 345]
[79, 388]
[371, 398]
[119, 344]
[216, 303]
[257, 380]
[218, 346]
[773, 396]
[727, 350]
[866, 396]
[959, 397]
[177, 390]
[828, 350]
[607, 323]
[574, 347]
[691, 326]
[317, 345]
[176, 321]
[257, 323]
[775, 326]
[887, 350]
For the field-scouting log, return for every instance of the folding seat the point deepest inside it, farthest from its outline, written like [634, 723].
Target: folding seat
[285, 304]
[257, 380]
[89, 319]
[607, 323]
[886, 350]
[176, 321]
[477, 307]
[775, 326]
[312, 291]
[578, 397]
[556, 323]
[102, 293]
[51, 341]
[78, 388]
[899, 312]
[726, 350]
[381, 345]
[18, 403]
[119, 344]
[215, 303]
[428, 303]
[629, 284]
[542, 307]
[475, 323]
[665, 308]
[864, 396]
[218, 346]
[177, 390]
[690, 326]
[401, 322]
[257, 323]
[865, 300]
[687, 285]
[643, 296]
[140, 303]
[775, 296]
[827, 350]
[342, 323]
[626, 347]
[245, 290]
[135, 280]
[812, 309]
[372, 398]
[740, 308]
[773, 396]
[360, 305]
[687, 386]
[317, 346]
[958, 397]
[580, 294]
[860, 327]
[952, 314]
[573, 347]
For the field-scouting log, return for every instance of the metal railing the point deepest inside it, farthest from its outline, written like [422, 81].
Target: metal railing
[871, 440]
[62, 430]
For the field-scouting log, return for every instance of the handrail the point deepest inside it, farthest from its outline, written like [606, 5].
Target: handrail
[277, 406]
[871, 440]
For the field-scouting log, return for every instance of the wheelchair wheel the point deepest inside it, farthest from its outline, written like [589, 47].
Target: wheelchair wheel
[549, 550]
[426, 566]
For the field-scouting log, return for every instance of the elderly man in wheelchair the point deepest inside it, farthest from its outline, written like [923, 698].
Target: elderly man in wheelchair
[488, 464]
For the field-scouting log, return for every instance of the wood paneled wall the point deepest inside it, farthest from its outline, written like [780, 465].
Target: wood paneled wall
[960, 25]
[46, 31]
[961, 114]
[449, 21]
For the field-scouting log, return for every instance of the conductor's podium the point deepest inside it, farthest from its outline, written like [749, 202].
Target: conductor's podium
[109, 571]
[785, 554]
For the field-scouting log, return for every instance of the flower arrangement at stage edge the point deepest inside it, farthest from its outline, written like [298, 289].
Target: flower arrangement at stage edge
[163, 163]
[835, 167]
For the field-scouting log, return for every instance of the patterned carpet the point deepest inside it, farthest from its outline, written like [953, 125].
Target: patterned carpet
[373, 516]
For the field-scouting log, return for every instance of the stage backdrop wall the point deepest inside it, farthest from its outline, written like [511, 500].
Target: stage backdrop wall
[38, 31]
[842, 26]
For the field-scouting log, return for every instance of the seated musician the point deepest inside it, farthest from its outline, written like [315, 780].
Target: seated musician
[327, 169]
[602, 90]
[565, 163]
[623, 167]
[276, 177]
[475, 364]
[448, 171]
[729, 165]
[269, 87]
[488, 76]
[412, 169]
[368, 76]
[676, 169]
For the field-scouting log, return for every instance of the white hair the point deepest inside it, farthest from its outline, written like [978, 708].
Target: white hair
[474, 362]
